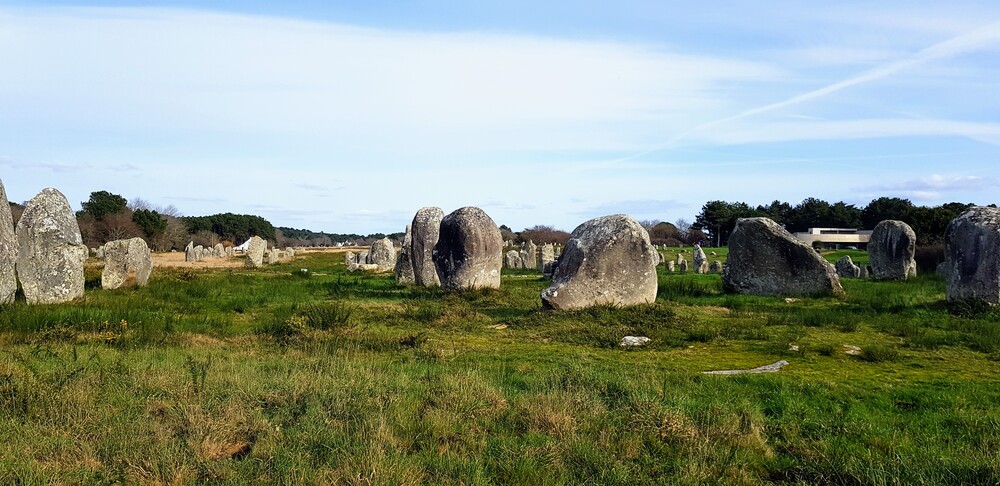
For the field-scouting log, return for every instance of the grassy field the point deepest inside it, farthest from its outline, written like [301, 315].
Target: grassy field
[284, 376]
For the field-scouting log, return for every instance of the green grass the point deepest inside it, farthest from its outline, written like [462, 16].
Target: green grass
[236, 376]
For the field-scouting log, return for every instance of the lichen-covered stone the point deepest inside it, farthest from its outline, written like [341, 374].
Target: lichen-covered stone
[8, 250]
[382, 254]
[972, 256]
[608, 260]
[426, 228]
[404, 261]
[765, 259]
[469, 251]
[512, 259]
[890, 251]
[548, 256]
[126, 263]
[529, 255]
[255, 252]
[846, 268]
[50, 252]
[700, 260]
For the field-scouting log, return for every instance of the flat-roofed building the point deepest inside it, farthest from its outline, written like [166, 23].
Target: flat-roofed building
[835, 237]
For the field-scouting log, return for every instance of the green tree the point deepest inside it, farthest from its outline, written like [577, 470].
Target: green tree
[103, 203]
[719, 218]
[885, 208]
[149, 221]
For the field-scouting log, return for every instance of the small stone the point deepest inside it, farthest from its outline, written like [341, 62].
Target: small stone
[126, 263]
[634, 341]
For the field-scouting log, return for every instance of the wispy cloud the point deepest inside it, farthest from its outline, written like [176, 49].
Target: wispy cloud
[635, 208]
[932, 187]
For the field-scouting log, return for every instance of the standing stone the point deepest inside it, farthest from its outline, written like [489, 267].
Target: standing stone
[255, 252]
[218, 251]
[683, 265]
[189, 255]
[512, 259]
[972, 256]
[273, 256]
[50, 252]
[8, 250]
[229, 252]
[350, 258]
[126, 263]
[942, 269]
[529, 255]
[469, 250]
[404, 262]
[671, 266]
[890, 251]
[199, 253]
[765, 259]
[426, 227]
[846, 268]
[715, 267]
[608, 260]
[864, 272]
[700, 260]
[548, 255]
[383, 255]
[289, 252]
[679, 259]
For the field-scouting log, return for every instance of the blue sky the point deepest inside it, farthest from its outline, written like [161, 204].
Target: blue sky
[349, 118]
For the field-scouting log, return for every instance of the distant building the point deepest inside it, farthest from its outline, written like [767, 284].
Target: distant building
[837, 238]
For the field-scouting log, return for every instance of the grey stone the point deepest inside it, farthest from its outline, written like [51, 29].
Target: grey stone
[890, 251]
[846, 268]
[865, 272]
[683, 265]
[469, 250]
[126, 263]
[634, 341]
[218, 251]
[255, 252]
[512, 259]
[50, 252]
[273, 256]
[608, 260]
[972, 256]
[765, 259]
[229, 252]
[350, 258]
[529, 255]
[189, 255]
[199, 253]
[383, 255]
[700, 260]
[942, 269]
[8, 250]
[679, 259]
[404, 262]
[715, 267]
[671, 266]
[548, 256]
[426, 228]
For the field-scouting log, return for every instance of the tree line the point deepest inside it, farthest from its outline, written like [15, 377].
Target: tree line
[718, 218]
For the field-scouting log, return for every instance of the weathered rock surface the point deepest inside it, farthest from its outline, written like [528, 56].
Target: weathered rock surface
[548, 256]
[765, 259]
[715, 267]
[189, 254]
[671, 266]
[126, 263]
[529, 255]
[846, 268]
[890, 251]
[404, 261]
[426, 227]
[700, 260]
[469, 250]
[683, 265]
[255, 252]
[8, 250]
[972, 256]
[383, 255]
[50, 252]
[219, 251]
[512, 259]
[608, 260]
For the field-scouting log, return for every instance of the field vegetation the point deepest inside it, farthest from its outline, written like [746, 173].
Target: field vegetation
[304, 373]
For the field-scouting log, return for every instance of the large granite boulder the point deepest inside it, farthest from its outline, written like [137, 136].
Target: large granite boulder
[50, 252]
[529, 255]
[255, 252]
[404, 261]
[700, 260]
[608, 260]
[426, 227]
[972, 256]
[512, 259]
[469, 251]
[8, 250]
[846, 268]
[383, 255]
[765, 259]
[890, 251]
[126, 263]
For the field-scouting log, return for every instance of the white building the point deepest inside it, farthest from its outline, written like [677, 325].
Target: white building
[835, 237]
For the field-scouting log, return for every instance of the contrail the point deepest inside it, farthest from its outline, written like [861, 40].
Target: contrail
[952, 47]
